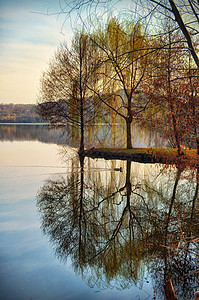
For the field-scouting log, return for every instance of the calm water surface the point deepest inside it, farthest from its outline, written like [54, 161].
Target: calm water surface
[86, 231]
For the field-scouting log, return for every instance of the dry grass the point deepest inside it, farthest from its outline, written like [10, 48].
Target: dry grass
[149, 150]
[164, 155]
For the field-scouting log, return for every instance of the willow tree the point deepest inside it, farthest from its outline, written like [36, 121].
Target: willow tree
[65, 99]
[125, 54]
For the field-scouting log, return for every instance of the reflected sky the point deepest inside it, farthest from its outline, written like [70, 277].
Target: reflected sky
[28, 266]
[28, 153]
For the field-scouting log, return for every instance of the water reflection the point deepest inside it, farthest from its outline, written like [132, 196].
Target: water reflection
[97, 135]
[120, 227]
[31, 132]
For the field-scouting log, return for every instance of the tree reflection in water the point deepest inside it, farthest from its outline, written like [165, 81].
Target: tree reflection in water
[119, 226]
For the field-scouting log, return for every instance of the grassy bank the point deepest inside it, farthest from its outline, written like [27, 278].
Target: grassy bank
[156, 155]
[162, 151]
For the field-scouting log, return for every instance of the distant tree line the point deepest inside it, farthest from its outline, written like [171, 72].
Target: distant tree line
[18, 113]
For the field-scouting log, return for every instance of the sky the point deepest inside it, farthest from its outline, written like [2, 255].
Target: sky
[29, 35]
[30, 32]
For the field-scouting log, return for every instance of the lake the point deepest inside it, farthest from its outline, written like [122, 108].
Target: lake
[72, 230]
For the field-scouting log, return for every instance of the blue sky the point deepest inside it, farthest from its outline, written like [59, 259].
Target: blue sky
[30, 32]
[28, 38]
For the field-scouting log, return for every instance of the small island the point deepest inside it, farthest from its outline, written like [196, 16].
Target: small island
[170, 156]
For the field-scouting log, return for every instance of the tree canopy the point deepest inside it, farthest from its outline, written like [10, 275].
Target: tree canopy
[121, 71]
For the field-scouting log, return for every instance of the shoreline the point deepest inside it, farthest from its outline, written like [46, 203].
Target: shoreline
[146, 155]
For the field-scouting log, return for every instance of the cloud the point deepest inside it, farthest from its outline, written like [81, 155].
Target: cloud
[21, 72]
[27, 41]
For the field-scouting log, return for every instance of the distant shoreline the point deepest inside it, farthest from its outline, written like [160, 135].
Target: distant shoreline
[22, 123]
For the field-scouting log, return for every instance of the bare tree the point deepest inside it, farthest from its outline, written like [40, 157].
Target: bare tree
[185, 13]
[65, 99]
[164, 87]
[190, 94]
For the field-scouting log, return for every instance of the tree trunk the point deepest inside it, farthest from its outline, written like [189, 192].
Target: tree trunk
[129, 120]
[197, 139]
[176, 135]
[197, 145]
[171, 100]
[128, 134]
[81, 108]
[175, 129]
[169, 290]
[81, 146]
[185, 31]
